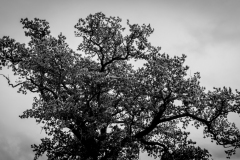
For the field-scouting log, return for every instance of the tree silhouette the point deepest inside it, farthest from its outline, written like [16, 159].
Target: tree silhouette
[97, 106]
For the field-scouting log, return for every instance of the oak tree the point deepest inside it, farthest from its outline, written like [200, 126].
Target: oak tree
[95, 105]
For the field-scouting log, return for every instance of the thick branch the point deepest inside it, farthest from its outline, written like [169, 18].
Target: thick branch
[154, 123]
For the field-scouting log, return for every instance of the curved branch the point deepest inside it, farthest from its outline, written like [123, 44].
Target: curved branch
[9, 82]
[41, 88]
[197, 118]
[173, 117]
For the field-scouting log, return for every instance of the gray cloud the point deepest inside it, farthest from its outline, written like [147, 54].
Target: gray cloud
[16, 145]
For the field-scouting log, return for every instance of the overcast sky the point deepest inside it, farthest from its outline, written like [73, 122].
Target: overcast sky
[208, 32]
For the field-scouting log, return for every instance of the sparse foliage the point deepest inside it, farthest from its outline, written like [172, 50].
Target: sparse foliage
[97, 106]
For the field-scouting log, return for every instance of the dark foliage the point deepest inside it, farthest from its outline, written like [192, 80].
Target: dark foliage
[98, 107]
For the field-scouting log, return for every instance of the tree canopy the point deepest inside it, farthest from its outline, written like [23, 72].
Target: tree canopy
[97, 106]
